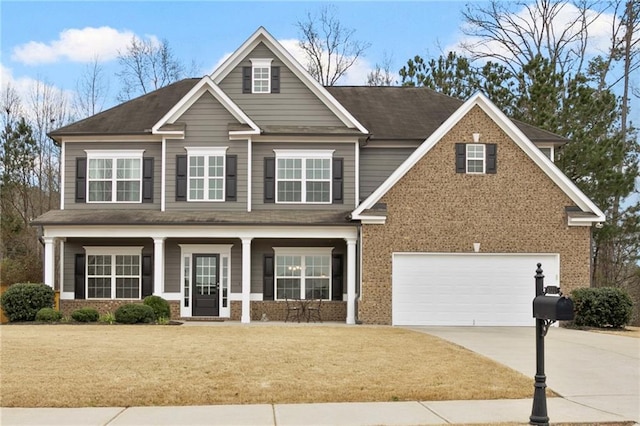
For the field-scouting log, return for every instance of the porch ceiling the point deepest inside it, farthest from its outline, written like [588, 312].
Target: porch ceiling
[151, 217]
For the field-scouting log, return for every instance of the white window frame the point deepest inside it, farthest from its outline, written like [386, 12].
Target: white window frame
[304, 155]
[113, 252]
[301, 252]
[207, 152]
[261, 63]
[483, 158]
[114, 156]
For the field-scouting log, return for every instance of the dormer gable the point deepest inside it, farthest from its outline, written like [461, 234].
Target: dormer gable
[262, 67]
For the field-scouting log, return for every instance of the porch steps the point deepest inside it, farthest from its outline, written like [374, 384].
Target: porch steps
[208, 319]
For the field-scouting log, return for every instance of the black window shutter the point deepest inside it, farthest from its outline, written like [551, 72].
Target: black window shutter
[246, 79]
[147, 180]
[336, 277]
[338, 181]
[267, 277]
[275, 79]
[270, 180]
[232, 177]
[492, 158]
[461, 158]
[181, 178]
[147, 276]
[81, 179]
[79, 277]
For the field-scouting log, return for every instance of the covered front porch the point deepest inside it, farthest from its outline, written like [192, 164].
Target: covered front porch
[230, 272]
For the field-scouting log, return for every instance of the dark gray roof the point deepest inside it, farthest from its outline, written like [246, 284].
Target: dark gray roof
[389, 113]
[136, 116]
[396, 113]
[152, 217]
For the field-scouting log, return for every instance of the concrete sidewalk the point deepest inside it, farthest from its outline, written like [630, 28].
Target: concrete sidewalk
[514, 411]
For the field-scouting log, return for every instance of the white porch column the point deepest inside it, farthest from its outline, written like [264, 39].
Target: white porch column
[49, 261]
[246, 280]
[351, 280]
[158, 265]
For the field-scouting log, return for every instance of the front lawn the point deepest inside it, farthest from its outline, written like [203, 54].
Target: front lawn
[102, 365]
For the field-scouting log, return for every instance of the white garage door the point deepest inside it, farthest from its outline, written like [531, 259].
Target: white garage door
[467, 289]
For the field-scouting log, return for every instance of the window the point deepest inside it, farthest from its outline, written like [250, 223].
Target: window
[261, 75]
[206, 174]
[303, 273]
[547, 151]
[303, 176]
[475, 158]
[114, 176]
[113, 272]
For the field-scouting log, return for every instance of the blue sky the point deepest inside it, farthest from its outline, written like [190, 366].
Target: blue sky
[205, 31]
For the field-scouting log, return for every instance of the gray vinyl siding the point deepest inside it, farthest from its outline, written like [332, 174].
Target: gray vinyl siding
[260, 247]
[74, 150]
[377, 164]
[207, 124]
[341, 150]
[295, 105]
[73, 246]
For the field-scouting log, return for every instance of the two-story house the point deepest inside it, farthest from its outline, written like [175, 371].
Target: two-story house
[228, 194]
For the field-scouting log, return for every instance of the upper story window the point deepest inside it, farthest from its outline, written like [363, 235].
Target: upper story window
[261, 77]
[476, 158]
[206, 174]
[114, 176]
[303, 176]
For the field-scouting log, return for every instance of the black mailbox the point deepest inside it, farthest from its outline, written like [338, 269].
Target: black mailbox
[553, 308]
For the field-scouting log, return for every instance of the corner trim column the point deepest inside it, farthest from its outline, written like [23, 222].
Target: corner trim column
[158, 265]
[246, 280]
[351, 280]
[49, 260]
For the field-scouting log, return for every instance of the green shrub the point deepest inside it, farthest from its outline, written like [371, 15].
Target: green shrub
[48, 315]
[160, 306]
[85, 315]
[107, 318]
[21, 302]
[133, 313]
[601, 307]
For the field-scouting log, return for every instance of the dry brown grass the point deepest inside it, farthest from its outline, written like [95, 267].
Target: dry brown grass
[101, 365]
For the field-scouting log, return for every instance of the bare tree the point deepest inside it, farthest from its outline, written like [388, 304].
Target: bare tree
[330, 47]
[11, 105]
[517, 32]
[147, 65]
[91, 90]
[49, 110]
[381, 74]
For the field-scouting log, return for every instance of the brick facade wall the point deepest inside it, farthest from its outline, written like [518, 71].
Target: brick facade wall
[277, 310]
[106, 306]
[433, 209]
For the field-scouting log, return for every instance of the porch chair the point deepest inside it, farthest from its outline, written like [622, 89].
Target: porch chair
[313, 311]
[293, 310]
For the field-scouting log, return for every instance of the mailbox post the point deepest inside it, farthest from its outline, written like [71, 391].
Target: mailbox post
[546, 311]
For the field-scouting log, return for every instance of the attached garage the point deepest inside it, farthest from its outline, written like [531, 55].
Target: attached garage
[465, 289]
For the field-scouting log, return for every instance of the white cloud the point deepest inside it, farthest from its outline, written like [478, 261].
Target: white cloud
[76, 45]
[24, 87]
[599, 32]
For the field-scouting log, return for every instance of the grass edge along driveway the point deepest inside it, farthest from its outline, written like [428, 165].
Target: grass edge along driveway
[143, 365]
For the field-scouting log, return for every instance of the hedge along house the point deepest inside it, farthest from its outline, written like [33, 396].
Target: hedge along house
[228, 194]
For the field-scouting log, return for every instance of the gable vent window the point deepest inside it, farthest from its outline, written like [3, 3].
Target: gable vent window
[475, 158]
[261, 77]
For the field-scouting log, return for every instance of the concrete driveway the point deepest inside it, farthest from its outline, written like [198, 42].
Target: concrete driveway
[598, 370]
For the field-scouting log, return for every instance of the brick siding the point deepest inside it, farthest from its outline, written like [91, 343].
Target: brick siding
[106, 306]
[277, 310]
[433, 209]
